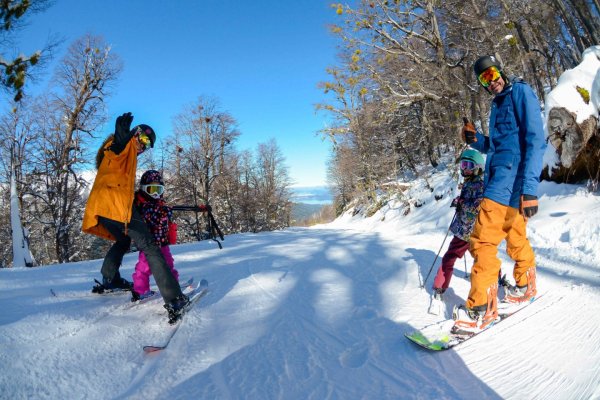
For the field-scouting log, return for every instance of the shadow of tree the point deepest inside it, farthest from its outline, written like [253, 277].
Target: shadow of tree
[302, 348]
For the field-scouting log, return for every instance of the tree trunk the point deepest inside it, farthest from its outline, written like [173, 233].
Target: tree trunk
[21, 255]
[596, 4]
[576, 145]
[570, 25]
[589, 23]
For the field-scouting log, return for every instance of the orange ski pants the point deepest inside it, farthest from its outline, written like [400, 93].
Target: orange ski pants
[495, 223]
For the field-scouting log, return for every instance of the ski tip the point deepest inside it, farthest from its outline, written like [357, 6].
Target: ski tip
[420, 340]
[153, 349]
[203, 283]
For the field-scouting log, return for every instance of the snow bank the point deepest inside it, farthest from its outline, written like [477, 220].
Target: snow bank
[567, 94]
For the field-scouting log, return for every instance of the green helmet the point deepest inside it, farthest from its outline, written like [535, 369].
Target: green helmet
[475, 157]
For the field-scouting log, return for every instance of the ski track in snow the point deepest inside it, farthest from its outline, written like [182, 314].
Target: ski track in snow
[311, 314]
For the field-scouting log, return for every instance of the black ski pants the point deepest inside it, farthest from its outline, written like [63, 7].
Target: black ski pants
[139, 232]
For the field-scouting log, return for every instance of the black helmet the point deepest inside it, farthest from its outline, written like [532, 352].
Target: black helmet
[151, 176]
[484, 63]
[147, 130]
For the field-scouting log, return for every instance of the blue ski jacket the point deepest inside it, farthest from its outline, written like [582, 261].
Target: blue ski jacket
[515, 146]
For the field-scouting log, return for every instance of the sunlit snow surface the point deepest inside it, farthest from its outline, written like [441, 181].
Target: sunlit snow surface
[314, 314]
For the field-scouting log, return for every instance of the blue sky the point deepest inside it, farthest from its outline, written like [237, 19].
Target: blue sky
[262, 59]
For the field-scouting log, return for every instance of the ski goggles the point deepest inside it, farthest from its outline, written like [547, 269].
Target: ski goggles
[492, 74]
[144, 140]
[467, 165]
[154, 190]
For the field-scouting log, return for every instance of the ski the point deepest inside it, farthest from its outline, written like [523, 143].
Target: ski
[195, 296]
[439, 336]
[115, 292]
[183, 285]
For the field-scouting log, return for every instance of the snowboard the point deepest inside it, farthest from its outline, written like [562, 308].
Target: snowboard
[439, 336]
[199, 292]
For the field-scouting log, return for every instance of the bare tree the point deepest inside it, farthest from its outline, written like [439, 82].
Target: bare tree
[66, 120]
[341, 176]
[404, 80]
[16, 71]
[246, 199]
[271, 183]
[204, 136]
[15, 145]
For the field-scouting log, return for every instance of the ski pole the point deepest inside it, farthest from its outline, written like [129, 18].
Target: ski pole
[466, 273]
[438, 253]
[214, 228]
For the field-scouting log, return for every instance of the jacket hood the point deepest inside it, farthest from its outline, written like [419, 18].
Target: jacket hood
[102, 149]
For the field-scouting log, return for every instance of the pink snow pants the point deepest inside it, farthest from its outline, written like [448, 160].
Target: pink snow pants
[141, 276]
[456, 249]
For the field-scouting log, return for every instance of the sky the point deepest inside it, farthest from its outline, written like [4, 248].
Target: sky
[262, 60]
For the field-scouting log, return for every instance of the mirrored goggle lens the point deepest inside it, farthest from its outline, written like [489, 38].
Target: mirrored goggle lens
[144, 139]
[488, 76]
[467, 165]
[153, 189]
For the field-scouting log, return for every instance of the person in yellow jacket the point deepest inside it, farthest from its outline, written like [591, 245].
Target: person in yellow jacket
[111, 214]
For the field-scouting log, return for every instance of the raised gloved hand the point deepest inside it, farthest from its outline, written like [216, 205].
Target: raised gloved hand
[529, 205]
[469, 132]
[122, 133]
[123, 124]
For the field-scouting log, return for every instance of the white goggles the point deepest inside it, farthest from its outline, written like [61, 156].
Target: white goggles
[154, 190]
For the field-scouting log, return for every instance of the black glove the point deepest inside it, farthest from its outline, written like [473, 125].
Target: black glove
[455, 202]
[122, 133]
[529, 205]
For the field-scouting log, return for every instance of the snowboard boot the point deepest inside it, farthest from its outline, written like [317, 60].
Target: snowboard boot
[110, 285]
[177, 307]
[135, 296]
[478, 318]
[521, 294]
[117, 283]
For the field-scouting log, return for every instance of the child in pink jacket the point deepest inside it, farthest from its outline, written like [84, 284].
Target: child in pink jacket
[157, 215]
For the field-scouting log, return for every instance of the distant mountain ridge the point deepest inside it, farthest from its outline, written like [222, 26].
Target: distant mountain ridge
[312, 195]
[308, 201]
[303, 211]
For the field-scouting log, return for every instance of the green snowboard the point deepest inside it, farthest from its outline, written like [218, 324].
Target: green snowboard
[439, 336]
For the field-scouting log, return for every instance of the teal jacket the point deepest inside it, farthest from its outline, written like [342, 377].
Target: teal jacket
[515, 147]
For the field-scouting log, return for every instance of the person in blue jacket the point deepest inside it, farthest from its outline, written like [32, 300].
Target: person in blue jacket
[515, 149]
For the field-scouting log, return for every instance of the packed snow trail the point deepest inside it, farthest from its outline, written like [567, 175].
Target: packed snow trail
[311, 314]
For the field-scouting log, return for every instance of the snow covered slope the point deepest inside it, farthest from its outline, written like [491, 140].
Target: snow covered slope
[313, 314]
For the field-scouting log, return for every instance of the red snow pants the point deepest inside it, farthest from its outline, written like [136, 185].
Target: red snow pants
[456, 249]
